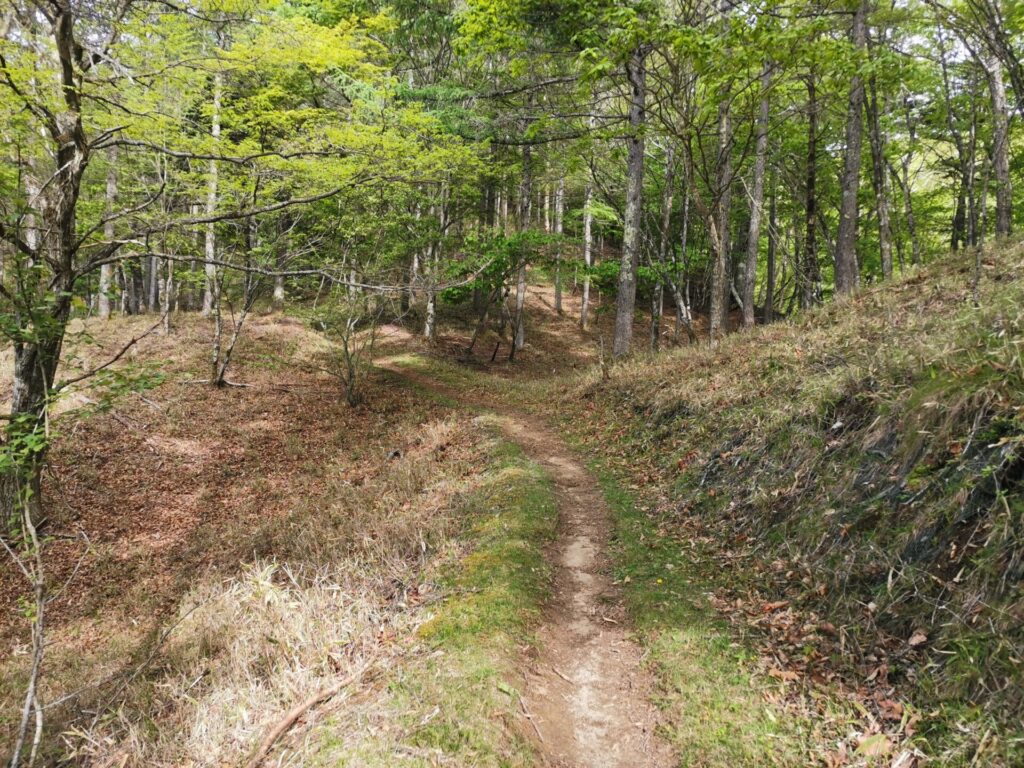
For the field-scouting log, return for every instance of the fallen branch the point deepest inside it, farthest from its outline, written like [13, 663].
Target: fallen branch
[522, 704]
[293, 715]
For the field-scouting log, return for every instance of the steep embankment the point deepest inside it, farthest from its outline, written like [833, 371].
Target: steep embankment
[848, 485]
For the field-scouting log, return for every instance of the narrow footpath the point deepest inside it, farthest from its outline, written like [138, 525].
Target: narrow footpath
[585, 692]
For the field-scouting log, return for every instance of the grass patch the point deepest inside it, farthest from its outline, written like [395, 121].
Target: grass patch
[709, 690]
[451, 703]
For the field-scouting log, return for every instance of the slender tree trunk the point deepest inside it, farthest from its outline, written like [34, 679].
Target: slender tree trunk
[756, 203]
[908, 201]
[719, 230]
[588, 253]
[983, 205]
[959, 223]
[1000, 146]
[107, 270]
[277, 297]
[193, 301]
[519, 340]
[430, 323]
[880, 179]
[137, 292]
[769, 291]
[209, 295]
[559, 213]
[145, 280]
[167, 295]
[809, 275]
[153, 289]
[658, 290]
[625, 300]
[958, 234]
[431, 273]
[525, 206]
[681, 283]
[846, 268]
[546, 195]
[971, 175]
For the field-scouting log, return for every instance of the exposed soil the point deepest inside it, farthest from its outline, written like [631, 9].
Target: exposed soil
[585, 691]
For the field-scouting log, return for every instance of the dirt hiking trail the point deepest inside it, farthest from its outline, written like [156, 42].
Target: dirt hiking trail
[585, 692]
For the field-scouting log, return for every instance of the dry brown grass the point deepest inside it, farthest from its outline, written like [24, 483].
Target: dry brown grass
[248, 546]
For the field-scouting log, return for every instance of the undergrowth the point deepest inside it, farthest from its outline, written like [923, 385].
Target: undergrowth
[719, 710]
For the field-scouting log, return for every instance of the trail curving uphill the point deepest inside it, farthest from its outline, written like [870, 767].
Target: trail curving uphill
[585, 692]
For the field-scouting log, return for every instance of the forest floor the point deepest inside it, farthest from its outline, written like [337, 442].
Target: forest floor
[487, 562]
[229, 552]
[715, 704]
[814, 526]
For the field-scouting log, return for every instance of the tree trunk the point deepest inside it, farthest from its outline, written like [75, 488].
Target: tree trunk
[681, 283]
[430, 268]
[168, 295]
[846, 269]
[546, 195]
[1000, 146]
[959, 224]
[135, 287]
[879, 180]
[430, 323]
[971, 175]
[284, 237]
[958, 231]
[559, 213]
[625, 300]
[718, 230]
[588, 253]
[209, 297]
[658, 290]
[107, 270]
[756, 203]
[769, 290]
[153, 289]
[904, 180]
[809, 275]
[525, 205]
[983, 205]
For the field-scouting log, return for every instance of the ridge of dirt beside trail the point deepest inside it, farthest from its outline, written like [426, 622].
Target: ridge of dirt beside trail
[585, 691]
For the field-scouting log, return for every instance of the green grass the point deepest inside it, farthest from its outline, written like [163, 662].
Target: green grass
[709, 692]
[453, 703]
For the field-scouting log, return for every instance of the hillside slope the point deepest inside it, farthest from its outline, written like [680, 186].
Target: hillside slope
[849, 484]
[271, 543]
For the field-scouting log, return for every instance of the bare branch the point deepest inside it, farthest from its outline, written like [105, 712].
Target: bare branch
[123, 351]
